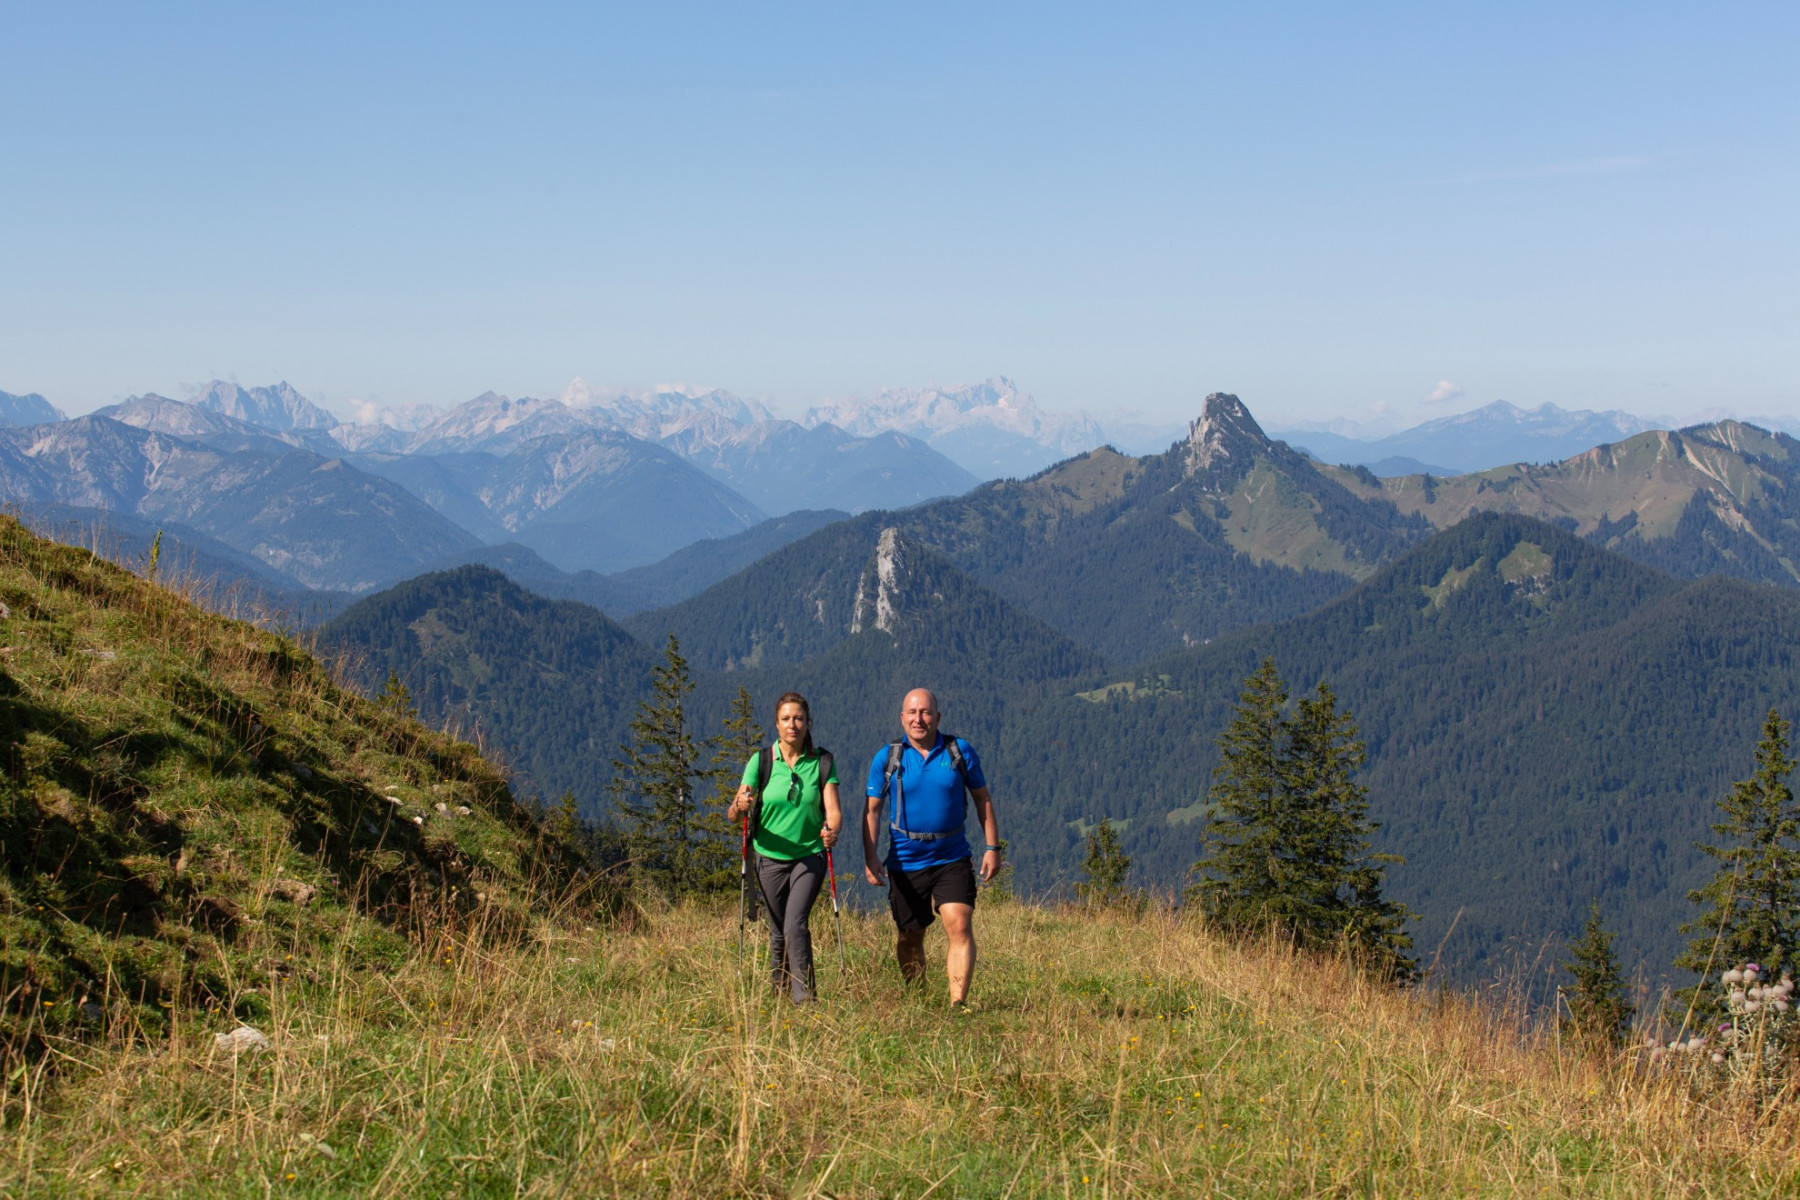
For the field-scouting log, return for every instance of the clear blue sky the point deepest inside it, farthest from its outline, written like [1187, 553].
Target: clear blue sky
[1323, 208]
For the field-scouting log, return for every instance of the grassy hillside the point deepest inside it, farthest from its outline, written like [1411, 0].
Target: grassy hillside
[196, 822]
[1107, 1056]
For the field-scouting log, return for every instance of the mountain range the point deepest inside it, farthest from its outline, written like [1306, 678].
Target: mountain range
[1548, 722]
[316, 520]
[1554, 679]
[991, 429]
[344, 508]
[1497, 434]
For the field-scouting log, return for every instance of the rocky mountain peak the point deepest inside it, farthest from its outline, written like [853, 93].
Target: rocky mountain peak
[279, 408]
[1224, 429]
[28, 409]
[877, 592]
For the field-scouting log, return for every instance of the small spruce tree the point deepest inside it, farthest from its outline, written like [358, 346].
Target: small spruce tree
[564, 824]
[1243, 876]
[741, 740]
[1599, 1013]
[1751, 906]
[1287, 838]
[1337, 886]
[672, 847]
[1105, 868]
[396, 697]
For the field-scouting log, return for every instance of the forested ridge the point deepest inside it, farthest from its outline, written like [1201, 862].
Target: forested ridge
[546, 687]
[1547, 723]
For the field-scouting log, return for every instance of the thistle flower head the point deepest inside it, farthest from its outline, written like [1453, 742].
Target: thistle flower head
[1732, 976]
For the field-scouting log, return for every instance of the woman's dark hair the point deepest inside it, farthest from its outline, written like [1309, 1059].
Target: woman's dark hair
[788, 698]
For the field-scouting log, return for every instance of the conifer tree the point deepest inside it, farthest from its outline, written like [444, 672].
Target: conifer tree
[564, 824]
[1599, 1013]
[396, 697]
[1106, 867]
[1243, 876]
[1751, 906]
[671, 845]
[1287, 839]
[738, 744]
[1338, 881]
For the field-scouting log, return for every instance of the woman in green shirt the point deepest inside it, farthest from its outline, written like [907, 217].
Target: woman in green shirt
[798, 818]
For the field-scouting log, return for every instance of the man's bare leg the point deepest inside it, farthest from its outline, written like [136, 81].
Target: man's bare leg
[959, 958]
[909, 948]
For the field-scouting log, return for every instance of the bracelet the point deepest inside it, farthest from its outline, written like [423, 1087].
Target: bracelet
[993, 849]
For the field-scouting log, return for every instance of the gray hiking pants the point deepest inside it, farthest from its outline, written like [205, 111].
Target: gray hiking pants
[788, 892]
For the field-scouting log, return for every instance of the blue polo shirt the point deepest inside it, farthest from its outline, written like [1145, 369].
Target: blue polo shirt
[927, 797]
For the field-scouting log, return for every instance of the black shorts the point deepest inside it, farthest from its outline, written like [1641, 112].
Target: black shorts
[915, 895]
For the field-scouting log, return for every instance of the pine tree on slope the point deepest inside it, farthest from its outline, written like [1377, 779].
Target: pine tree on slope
[1599, 1013]
[673, 846]
[1244, 876]
[1339, 885]
[737, 745]
[1752, 904]
[1106, 867]
[1288, 836]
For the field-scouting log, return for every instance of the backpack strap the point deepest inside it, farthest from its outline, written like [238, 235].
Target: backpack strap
[765, 766]
[827, 765]
[895, 750]
[953, 747]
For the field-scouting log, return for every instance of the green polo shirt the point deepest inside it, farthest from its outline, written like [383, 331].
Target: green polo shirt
[789, 829]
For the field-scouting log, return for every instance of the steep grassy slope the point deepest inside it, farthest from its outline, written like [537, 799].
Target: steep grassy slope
[194, 817]
[1108, 1056]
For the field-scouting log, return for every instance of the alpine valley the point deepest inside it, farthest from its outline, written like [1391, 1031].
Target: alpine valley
[1556, 669]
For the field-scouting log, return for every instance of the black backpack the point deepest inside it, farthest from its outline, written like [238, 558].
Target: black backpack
[891, 771]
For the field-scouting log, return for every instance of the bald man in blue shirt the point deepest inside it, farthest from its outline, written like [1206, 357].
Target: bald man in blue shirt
[922, 784]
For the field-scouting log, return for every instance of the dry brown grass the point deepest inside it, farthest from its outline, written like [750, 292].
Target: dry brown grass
[1109, 1056]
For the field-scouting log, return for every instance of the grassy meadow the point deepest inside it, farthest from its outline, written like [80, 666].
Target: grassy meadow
[200, 826]
[1109, 1055]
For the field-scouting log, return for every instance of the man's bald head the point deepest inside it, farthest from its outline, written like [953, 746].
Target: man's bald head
[919, 718]
[920, 698]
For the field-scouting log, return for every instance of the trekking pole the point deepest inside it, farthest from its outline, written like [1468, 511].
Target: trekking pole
[836, 918]
[744, 900]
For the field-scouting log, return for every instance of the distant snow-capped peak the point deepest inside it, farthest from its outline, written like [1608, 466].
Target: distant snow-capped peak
[995, 403]
[664, 410]
[493, 422]
[280, 407]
